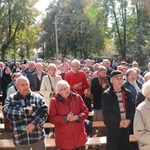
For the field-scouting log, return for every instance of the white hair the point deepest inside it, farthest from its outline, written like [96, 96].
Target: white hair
[61, 83]
[20, 79]
[75, 62]
[146, 88]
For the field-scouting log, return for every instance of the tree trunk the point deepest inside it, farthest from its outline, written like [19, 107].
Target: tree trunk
[4, 48]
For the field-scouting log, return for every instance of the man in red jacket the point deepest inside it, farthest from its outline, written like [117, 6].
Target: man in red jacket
[77, 78]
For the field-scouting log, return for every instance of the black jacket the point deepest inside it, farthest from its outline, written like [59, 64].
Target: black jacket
[139, 99]
[35, 83]
[111, 110]
[97, 90]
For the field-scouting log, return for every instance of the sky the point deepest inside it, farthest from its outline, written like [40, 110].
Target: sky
[42, 5]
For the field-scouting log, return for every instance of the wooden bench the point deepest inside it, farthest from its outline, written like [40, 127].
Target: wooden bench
[95, 124]
[98, 124]
[91, 114]
[50, 143]
[2, 126]
[46, 125]
[1, 114]
[50, 125]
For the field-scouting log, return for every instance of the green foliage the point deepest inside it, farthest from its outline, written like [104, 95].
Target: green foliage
[16, 16]
[79, 31]
[85, 28]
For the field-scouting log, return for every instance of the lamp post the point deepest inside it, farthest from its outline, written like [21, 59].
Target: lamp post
[56, 37]
[56, 33]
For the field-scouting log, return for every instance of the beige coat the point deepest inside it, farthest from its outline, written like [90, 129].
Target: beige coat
[45, 88]
[142, 125]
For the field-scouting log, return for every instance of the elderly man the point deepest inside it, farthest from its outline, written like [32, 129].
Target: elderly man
[31, 69]
[27, 112]
[107, 64]
[77, 78]
[118, 112]
[36, 77]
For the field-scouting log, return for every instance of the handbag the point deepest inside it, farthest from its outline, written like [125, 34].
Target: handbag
[52, 93]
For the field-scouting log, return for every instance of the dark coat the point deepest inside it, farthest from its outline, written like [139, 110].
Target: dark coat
[111, 110]
[34, 81]
[139, 98]
[131, 88]
[96, 90]
[5, 80]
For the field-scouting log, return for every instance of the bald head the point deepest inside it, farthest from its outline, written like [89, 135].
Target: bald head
[21, 79]
[22, 85]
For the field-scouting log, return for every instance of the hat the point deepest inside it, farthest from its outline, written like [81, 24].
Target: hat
[116, 73]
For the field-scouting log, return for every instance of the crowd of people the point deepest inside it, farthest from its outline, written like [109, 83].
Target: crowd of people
[62, 92]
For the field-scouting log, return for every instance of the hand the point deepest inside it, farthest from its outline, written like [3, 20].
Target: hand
[78, 86]
[125, 123]
[30, 110]
[104, 85]
[74, 118]
[69, 115]
[75, 86]
[80, 83]
[30, 127]
[86, 91]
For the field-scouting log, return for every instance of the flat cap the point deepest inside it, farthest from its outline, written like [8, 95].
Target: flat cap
[115, 73]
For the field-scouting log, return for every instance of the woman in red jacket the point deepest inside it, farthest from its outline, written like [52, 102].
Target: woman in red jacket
[68, 112]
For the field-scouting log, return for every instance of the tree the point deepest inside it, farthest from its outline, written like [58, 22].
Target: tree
[15, 16]
[78, 33]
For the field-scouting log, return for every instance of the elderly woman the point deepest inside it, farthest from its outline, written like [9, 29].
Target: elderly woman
[68, 112]
[134, 86]
[131, 82]
[98, 85]
[142, 119]
[49, 82]
[140, 97]
[47, 88]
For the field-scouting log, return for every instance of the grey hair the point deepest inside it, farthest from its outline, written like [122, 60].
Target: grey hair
[75, 62]
[102, 68]
[61, 83]
[16, 74]
[146, 88]
[146, 75]
[21, 78]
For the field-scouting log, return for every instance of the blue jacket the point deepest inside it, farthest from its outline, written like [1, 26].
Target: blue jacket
[131, 88]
